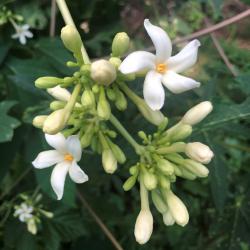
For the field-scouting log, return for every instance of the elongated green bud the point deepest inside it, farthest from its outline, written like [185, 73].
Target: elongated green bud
[87, 137]
[129, 183]
[39, 120]
[103, 72]
[158, 201]
[134, 170]
[149, 180]
[88, 99]
[164, 182]
[182, 132]
[109, 161]
[55, 105]
[115, 61]
[165, 166]
[111, 94]
[55, 122]
[118, 153]
[103, 107]
[121, 101]
[47, 82]
[176, 147]
[196, 168]
[71, 38]
[120, 44]
[186, 174]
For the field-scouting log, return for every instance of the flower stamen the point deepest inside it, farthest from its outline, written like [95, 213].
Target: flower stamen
[68, 157]
[161, 68]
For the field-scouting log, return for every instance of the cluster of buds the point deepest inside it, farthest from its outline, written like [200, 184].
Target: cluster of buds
[162, 162]
[30, 211]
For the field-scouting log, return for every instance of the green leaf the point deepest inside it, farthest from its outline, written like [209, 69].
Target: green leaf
[8, 123]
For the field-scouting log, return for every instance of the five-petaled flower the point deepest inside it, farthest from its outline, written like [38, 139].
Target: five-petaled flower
[66, 155]
[162, 67]
[23, 212]
[22, 33]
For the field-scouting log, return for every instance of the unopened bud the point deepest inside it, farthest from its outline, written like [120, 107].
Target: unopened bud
[109, 161]
[55, 105]
[196, 168]
[149, 180]
[168, 219]
[87, 137]
[103, 72]
[143, 226]
[165, 166]
[31, 224]
[71, 38]
[118, 153]
[120, 44]
[179, 132]
[55, 122]
[129, 183]
[115, 61]
[88, 98]
[164, 182]
[39, 120]
[59, 93]
[159, 203]
[121, 101]
[197, 113]
[199, 152]
[177, 208]
[47, 82]
[103, 107]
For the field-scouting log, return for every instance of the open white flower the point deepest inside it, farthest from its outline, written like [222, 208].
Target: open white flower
[22, 33]
[66, 155]
[162, 67]
[23, 212]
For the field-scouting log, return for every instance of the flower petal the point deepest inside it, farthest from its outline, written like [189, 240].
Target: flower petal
[28, 34]
[57, 141]
[153, 90]
[177, 83]
[47, 158]
[137, 61]
[77, 174]
[58, 177]
[185, 59]
[161, 41]
[22, 39]
[25, 27]
[15, 36]
[73, 145]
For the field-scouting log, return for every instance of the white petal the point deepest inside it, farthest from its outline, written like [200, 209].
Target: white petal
[22, 39]
[58, 177]
[22, 217]
[185, 59]
[15, 36]
[73, 145]
[47, 158]
[177, 83]
[161, 41]
[153, 90]
[25, 27]
[57, 141]
[137, 61]
[76, 173]
[28, 34]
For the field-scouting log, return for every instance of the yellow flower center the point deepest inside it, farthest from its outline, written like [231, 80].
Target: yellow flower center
[68, 157]
[161, 68]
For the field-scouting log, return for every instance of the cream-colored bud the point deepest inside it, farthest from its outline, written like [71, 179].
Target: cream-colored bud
[120, 44]
[71, 38]
[143, 226]
[196, 168]
[39, 120]
[59, 93]
[109, 161]
[55, 122]
[168, 219]
[103, 72]
[199, 152]
[31, 224]
[197, 113]
[177, 208]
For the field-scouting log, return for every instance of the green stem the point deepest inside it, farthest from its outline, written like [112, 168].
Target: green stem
[69, 21]
[72, 101]
[138, 148]
[133, 97]
[144, 196]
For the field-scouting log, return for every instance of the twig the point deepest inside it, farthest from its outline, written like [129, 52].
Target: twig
[221, 51]
[99, 222]
[52, 18]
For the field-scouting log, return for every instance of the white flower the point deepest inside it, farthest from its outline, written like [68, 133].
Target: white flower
[23, 212]
[22, 32]
[162, 67]
[66, 155]
[59, 93]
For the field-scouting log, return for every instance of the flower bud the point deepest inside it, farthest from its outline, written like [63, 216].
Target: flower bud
[39, 120]
[118, 153]
[115, 61]
[109, 161]
[103, 107]
[168, 219]
[129, 183]
[177, 208]
[88, 98]
[103, 72]
[199, 152]
[31, 224]
[120, 44]
[121, 101]
[196, 168]
[159, 203]
[149, 180]
[164, 182]
[165, 166]
[71, 38]
[197, 113]
[55, 122]
[55, 105]
[87, 137]
[181, 132]
[47, 82]
[111, 94]
[59, 93]
[143, 226]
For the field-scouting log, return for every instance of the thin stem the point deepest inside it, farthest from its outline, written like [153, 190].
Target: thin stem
[71, 104]
[138, 148]
[132, 96]
[52, 18]
[99, 222]
[69, 21]
[144, 196]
